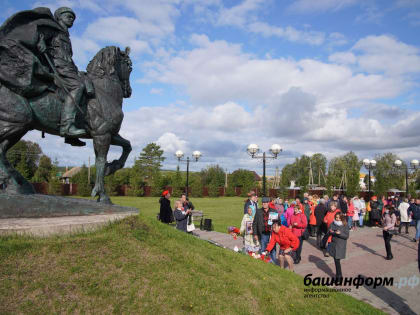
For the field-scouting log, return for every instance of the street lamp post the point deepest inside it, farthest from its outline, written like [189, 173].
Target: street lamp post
[196, 155]
[414, 165]
[253, 150]
[369, 164]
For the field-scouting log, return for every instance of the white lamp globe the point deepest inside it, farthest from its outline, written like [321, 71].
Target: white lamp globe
[253, 149]
[179, 154]
[196, 155]
[366, 162]
[415, 163]
[372, 163]
[398, 163]
[275, 149]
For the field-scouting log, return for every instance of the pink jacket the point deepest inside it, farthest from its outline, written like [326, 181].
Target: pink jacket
[289, 212]
[301, 221]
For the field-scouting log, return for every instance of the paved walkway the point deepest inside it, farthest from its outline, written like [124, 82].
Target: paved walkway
[365, 256]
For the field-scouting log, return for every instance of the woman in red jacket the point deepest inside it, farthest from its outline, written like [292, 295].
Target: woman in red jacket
[298, 224]
[288, 242]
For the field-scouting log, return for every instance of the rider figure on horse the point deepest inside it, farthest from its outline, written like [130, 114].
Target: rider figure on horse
[57, 46]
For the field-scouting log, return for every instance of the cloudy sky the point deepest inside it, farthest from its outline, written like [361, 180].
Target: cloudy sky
[325, 76]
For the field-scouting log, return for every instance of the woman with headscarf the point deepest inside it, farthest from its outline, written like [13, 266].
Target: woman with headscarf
[250, 245]
[166, 214]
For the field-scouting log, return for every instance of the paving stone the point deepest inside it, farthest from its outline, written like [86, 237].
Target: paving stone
[365, 256]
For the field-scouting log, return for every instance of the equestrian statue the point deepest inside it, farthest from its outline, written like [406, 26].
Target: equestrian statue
[41, 88]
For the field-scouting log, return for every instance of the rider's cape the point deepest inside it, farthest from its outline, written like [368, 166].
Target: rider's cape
[21, 64]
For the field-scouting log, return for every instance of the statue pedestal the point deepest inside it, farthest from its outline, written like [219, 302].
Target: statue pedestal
[43, 215]
[44, 206]
[58, 225]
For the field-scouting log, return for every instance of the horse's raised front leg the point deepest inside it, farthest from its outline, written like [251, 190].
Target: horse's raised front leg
[101, 145]
[111, 168]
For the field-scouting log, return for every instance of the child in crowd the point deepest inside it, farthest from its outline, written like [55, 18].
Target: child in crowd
[350, 213]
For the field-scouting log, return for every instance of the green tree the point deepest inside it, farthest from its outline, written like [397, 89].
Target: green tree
[82, 180]
[43, 171]
[24, 156]
[302, 170]
[344, 172]
[352, 167]
[177, 182]
[146, 170]
[386, 175]
[196, 185]
[319, 169]
[136, 182]
[213, 189]
[244, 179]
[288, 173]
[213, 174]
[149, 162]
[54, 184]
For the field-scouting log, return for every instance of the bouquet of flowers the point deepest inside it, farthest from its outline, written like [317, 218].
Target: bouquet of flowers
[234, 231]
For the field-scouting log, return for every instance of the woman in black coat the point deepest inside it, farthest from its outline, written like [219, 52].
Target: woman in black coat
[339, 231]
[166, 215]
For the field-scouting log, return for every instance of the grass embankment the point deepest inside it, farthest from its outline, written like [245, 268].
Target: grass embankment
[224, 211]
[140, 265]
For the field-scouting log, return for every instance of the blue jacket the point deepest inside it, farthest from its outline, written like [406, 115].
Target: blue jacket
[283, 220]
[415, 209]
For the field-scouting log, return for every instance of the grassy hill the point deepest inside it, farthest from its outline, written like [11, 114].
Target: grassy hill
[139, 265]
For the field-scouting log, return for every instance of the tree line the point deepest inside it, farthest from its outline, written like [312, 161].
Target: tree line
[342, 172]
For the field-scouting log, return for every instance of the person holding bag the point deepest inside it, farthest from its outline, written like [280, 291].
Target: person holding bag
[388, 221]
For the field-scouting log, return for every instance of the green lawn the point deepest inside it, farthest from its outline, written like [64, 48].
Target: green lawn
[224, 211]
[139, 265]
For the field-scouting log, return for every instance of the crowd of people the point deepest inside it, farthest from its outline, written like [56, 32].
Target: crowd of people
[330, 221]
[288, 223]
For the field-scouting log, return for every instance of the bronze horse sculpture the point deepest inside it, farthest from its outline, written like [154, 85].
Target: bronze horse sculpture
[101, 116]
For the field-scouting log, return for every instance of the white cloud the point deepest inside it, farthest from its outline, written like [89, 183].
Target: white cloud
[156, 91]
[84, 50]
[170, 143]
[122, 30]
[382, 54]
[337, 39]
[218, 72]
[343, 58]
[310, 6]
[386, 54]
[91, 5]
[240, 14]
[289, 33]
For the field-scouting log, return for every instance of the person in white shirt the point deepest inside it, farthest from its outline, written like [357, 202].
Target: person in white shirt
[405, 219]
